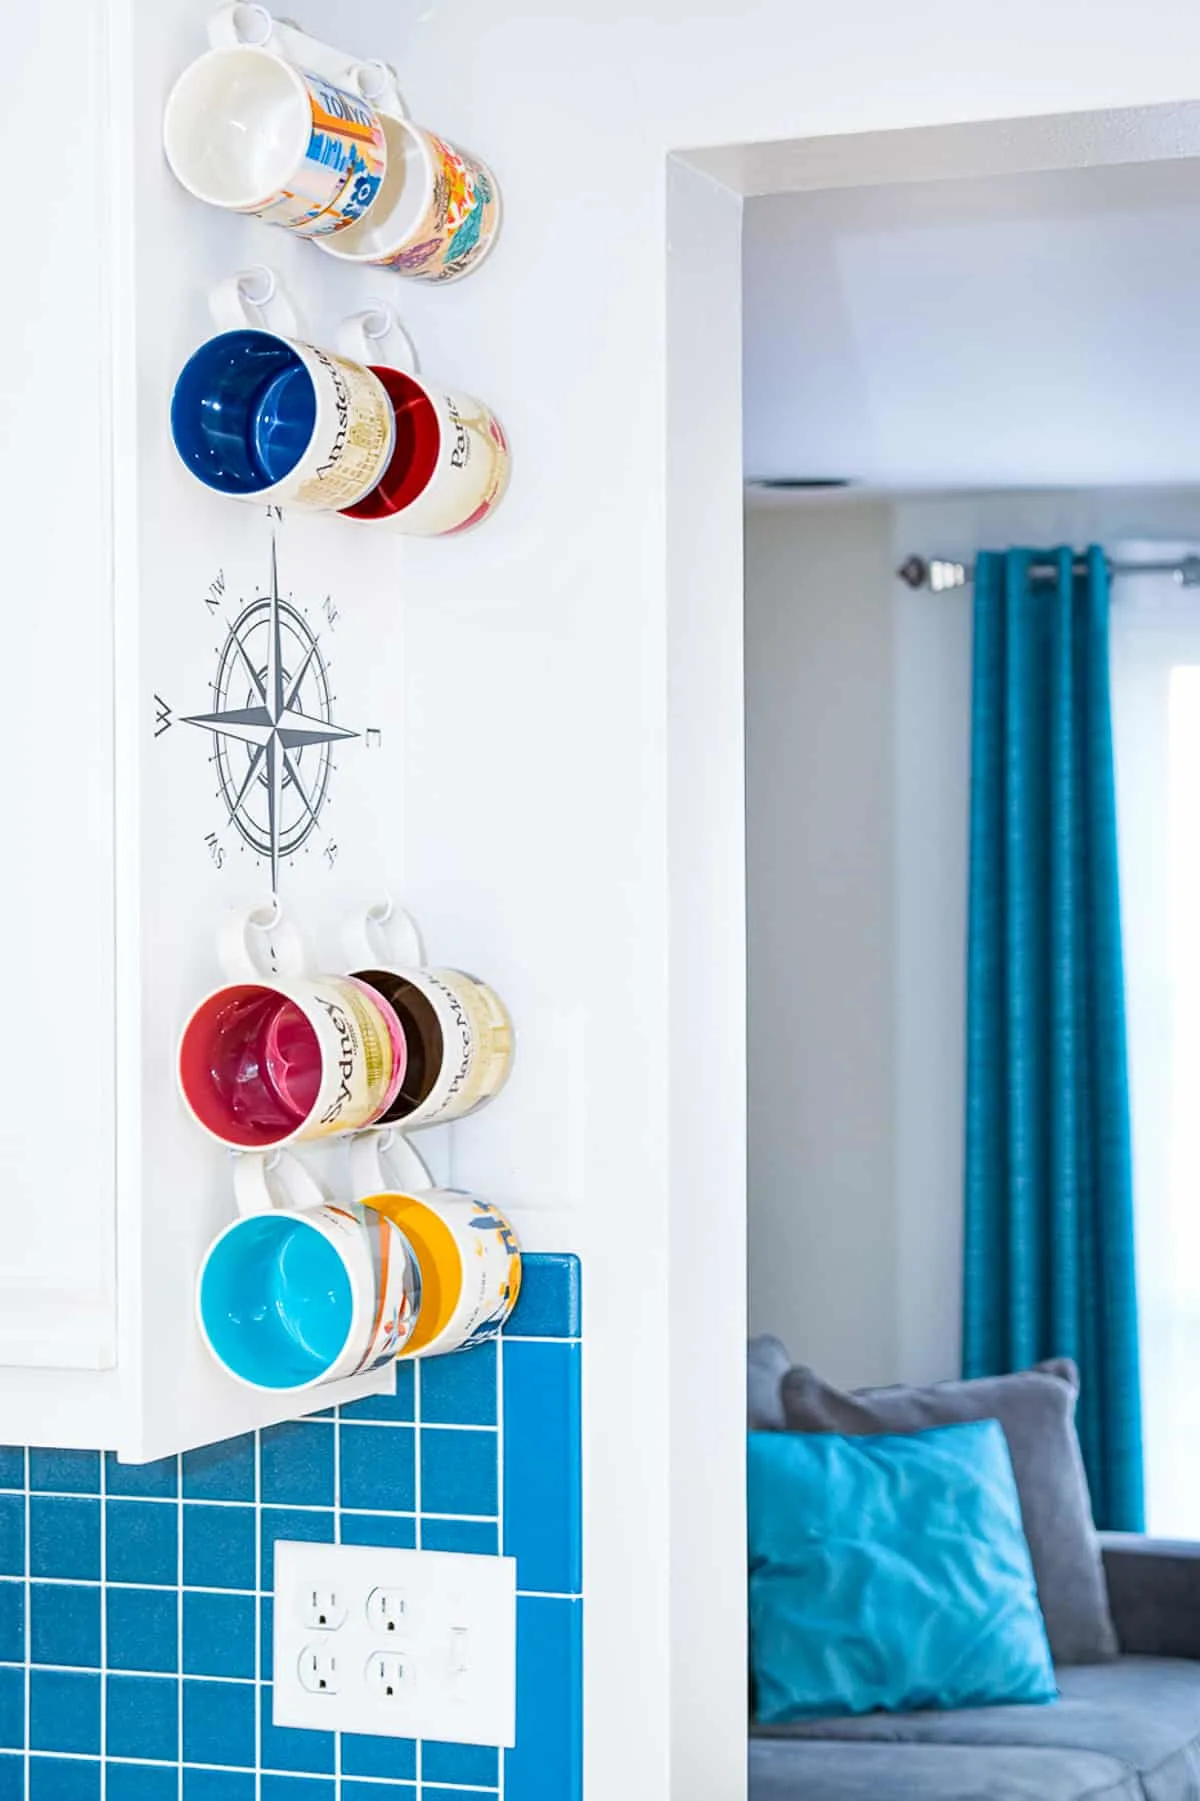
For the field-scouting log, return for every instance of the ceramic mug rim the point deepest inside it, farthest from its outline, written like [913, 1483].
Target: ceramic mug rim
[334, 244]
[295, 993]
[285, 487]
[381, 372]
[252, 203]
[358, 1302]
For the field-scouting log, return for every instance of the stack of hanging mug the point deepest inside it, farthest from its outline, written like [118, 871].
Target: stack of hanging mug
[305, 1288]
[270, 418]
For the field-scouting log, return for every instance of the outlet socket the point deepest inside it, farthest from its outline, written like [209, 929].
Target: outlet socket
[321, 1607]
[389, 1612]
[318, 1670]
[391, 1678]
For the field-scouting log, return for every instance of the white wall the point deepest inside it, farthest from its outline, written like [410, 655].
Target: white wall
[858, 714]
[858, 767]
[820, 700]
[872, 312]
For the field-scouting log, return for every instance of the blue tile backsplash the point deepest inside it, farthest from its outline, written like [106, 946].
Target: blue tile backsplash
[135, 1602]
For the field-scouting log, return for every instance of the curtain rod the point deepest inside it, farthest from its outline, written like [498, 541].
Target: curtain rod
[940, 574]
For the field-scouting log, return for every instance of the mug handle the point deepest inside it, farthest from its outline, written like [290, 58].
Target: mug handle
[260, 945]
[408, 1173]
[256, 298]
[385, 936]
[260, 1178]
[376, 336]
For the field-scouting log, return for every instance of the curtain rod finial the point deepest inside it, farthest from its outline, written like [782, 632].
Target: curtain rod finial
[939, 576]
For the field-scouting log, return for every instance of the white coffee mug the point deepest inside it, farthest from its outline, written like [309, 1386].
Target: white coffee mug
[275, 1055]
[265, 417]
[459, 1041]
[247, 131]
[450, 460]
[437, 213]
[469, 1257]
[301, 1289]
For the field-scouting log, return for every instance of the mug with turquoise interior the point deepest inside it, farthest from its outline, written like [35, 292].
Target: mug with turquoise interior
[288, 1298]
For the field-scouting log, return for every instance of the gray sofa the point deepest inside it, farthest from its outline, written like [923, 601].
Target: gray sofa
[1127, 1730]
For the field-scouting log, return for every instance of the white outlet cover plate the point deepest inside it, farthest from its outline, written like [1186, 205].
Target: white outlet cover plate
[459, 1635]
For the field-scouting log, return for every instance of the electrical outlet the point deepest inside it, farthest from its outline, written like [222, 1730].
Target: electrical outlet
[322, 1608]
[390, 1677]
[318, 1669]
[388, 1612]
[405, 1644]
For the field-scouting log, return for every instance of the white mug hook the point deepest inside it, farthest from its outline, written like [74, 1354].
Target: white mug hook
[260, 945]
[376, 336]
[256, 298]
[377, 82]
[264, 1182]
[408, 1173]
[243, 23]
[384, 936]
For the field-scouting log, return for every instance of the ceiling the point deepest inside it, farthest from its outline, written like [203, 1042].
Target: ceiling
[1036, 330]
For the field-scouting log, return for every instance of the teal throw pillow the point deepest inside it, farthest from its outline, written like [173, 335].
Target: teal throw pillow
[890, 1572]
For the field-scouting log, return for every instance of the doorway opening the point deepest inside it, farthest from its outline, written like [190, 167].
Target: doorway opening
[954, 340]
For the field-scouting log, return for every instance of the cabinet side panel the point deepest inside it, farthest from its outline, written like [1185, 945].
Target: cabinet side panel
[56, 902]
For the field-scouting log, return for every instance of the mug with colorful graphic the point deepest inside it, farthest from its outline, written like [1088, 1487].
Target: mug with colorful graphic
[457, 1031]
[276, 1055]
[304, 1290]
[469, 1257]
[246, 130]
[450, 461]
[437, 213]
[266, 418]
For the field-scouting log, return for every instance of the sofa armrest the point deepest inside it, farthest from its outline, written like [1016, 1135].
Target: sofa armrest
[1154, 1593]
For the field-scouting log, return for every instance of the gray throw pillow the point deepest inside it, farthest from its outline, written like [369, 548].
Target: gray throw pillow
[1037, 1411]
[767, 1363]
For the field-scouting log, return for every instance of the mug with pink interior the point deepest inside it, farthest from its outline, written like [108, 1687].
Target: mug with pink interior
[275, 1055]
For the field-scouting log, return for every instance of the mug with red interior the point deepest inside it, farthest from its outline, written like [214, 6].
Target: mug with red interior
[276, 1055]
[450, 459]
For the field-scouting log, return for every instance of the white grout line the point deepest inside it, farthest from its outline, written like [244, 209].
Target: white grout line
[104, 1630]
[258, 1578]
[276, 1506]
[179, 1610]
[223, 1769]
[501, 1756]
[416, 1369]
[28, 1566]
[337, 1539]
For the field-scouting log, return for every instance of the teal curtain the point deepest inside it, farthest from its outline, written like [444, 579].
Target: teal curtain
[1049, 1257]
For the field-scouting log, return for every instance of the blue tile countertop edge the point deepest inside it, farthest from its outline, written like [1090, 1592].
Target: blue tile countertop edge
[136, 1606]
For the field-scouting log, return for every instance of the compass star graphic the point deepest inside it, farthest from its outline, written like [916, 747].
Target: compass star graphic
[272, 726]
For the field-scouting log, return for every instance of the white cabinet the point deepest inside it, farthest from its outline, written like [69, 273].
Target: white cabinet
[136, 603]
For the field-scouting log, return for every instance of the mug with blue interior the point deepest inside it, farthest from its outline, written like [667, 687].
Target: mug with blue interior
[290, 1297]
[261, 417]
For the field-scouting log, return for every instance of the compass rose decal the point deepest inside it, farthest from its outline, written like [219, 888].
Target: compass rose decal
[272, 726]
